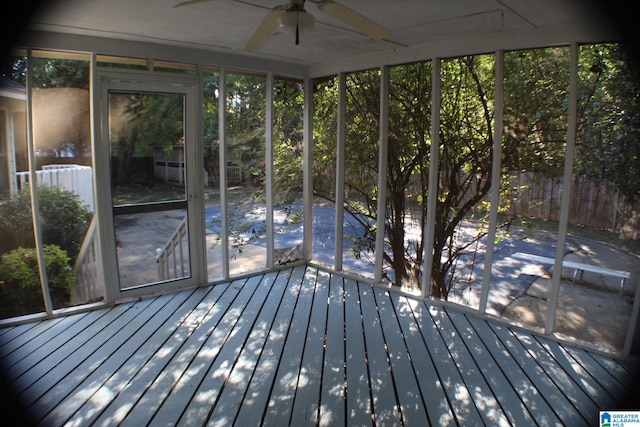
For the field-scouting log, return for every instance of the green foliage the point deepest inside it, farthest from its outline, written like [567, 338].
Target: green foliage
[63, 219]
[609, 117]
[535, 110]
[139, 123]
[288, 103]
[20, 290]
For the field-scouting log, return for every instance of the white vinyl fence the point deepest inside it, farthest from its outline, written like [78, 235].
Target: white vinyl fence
[74, 178]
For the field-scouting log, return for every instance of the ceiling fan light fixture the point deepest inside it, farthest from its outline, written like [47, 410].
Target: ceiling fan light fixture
[296, 23]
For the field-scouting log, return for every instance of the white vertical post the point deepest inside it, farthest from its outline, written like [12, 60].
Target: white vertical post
[11, 152]
[195, 173]
[222, 157]
[566, 190]
[33, 179]
[495, 177]
[268, 134]
[106, 268]
[383, 150]
[633, 321]
[433, 177]
[307, 172]
[340, 147]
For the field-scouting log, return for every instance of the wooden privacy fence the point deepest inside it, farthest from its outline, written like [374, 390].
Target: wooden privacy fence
[593, 204]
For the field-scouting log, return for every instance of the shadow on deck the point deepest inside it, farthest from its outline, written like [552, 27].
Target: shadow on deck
[301, 346]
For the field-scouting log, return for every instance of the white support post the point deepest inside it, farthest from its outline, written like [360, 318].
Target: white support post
[383, 151]
[307, 165]
[197, 178]
[566, 190]
[222, 157]
[101, 191]
[268, 134]
[633, 321]
[33, 179]
[495, 178]
[433, 177]
[340, 146]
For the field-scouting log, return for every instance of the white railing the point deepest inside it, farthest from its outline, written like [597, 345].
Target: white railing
[171, 259]
[74, 178]
[89, 284]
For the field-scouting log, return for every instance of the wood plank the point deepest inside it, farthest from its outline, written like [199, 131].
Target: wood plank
[202, 324]
[230, 400]
[54, 351]
[257, 396]
[500, 386]
[582, 401]
[332, 401]
[409, 395]
[23, 357]
[307, 397]
[359, 404]
[157, 368]
[284, 388]
[100, 360]
[465, 411]
[616, 369]
[12, 336]
[578, 374]
[545, 385]
[437, 406]
[29, 341]
[386, 409]
[117, 392]
[214, 354]
[601, 375]
[39, 379]
[94, 384]
[525, 388]
[479, 390]
[206, 396]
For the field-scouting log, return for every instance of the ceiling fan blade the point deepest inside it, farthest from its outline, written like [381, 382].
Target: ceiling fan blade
[190, 3]
[354, 19]
[264, 30]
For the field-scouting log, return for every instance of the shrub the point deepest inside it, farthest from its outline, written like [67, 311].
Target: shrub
[20, 290]
[63, 218]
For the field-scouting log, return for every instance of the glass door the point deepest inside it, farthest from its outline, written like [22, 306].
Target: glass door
[150, 141]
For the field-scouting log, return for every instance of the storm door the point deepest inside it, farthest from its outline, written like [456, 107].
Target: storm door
[150, 130]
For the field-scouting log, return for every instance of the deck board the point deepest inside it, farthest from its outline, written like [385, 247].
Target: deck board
[409, 395]
[506, 396]
[301, 346]
[359, 407]
[333, 409]
[527, 391]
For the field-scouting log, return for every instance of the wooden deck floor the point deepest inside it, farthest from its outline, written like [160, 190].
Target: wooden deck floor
[296, 347]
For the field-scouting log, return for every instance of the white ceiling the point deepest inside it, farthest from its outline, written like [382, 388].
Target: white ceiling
[226, 25]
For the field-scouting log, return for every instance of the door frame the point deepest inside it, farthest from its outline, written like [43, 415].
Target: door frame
[145, 81]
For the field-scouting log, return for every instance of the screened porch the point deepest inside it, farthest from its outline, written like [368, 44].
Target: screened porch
[389, 215]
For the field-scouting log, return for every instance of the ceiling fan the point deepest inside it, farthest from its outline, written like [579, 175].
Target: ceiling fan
[293, 19]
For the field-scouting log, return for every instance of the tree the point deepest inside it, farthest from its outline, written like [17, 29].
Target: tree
[534, 127]
[609, 117]
[140, 122]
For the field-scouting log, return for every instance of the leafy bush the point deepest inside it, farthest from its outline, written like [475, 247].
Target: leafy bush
[63, 218]
[20, 290]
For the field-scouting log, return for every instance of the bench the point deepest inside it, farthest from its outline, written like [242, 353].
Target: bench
[578, 267]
